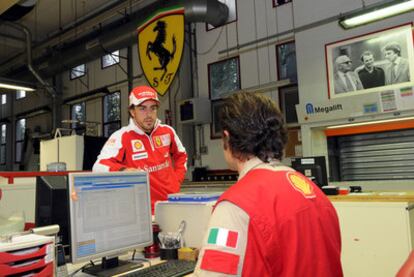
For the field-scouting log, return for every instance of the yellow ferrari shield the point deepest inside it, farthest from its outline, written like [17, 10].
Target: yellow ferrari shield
[160, 47]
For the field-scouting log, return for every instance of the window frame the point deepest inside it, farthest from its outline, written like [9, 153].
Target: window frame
[112, 56]
[105, 123]
[4, 97]
[74, 68]
[3, 145]
[275, 4]
[20, 141]
[20, 94]
[83, 103]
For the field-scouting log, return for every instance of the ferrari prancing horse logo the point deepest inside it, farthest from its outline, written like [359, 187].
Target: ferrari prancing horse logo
[160, 47]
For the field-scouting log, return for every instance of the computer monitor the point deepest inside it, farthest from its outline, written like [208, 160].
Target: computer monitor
[312, 167]
[51, 206]
[110, 213]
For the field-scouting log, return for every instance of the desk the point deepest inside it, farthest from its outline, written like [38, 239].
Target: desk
[377, 231]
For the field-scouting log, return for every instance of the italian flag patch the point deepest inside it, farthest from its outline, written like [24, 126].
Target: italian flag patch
[223, 237]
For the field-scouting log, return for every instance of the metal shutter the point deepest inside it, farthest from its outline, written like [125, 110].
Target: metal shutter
[377, 156]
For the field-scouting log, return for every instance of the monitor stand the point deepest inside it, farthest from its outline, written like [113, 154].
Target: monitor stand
[112, 266]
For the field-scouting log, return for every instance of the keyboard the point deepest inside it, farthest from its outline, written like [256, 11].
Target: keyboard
[171, 268]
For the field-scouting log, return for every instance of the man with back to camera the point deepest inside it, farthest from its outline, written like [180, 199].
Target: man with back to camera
[274, 221]
[397, 71]
[146, 144]
[371, 76]
[345, 79]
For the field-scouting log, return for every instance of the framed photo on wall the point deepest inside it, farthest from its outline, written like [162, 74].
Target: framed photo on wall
[286, 61]
[373, 62]
[223, 77]
[231, 4]
[215, 127]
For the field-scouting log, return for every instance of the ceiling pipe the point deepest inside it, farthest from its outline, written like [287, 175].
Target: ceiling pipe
[124, 34]
[30, 66]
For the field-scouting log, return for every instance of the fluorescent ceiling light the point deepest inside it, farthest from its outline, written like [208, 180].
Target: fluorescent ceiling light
[368, 15]
[15, 87]
[369, 122]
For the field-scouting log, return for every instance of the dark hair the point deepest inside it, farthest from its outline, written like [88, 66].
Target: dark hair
[366, 53]
[255, 125]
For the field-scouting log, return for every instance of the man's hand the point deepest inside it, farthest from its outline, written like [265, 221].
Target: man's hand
[131, 169]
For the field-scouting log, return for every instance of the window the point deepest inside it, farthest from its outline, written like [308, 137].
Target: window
[280, 2]
[3, 143]
[20, 94]
[110, 59]
[78, 114]
[78, 71]
[20, 131]
[111, 113]
[3, 99]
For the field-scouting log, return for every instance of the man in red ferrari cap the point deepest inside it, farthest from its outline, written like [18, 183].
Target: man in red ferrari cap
[146, 144]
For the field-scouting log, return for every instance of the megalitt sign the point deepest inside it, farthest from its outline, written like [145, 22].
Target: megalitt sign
[160, 46]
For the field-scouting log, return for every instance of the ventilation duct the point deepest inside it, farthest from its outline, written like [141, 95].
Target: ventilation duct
[212, 12]
[122, 34]
[18, 10]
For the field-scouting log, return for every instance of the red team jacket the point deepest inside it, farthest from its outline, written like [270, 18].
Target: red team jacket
[161, 154]
[293, 229]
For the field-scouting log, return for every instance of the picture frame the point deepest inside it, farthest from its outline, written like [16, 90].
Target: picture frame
[373, 62]
[286, 61]
[223, 77]
[232, 5]
[215, 127]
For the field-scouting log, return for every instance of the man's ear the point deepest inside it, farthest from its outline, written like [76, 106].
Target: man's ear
[226, 138]
[130, 112]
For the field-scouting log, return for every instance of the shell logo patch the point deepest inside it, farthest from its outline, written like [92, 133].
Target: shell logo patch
[301, 184]
[137, 145]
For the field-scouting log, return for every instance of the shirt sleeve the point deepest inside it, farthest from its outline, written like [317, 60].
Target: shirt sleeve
[224, 246]
[112, 155]
[179, 156]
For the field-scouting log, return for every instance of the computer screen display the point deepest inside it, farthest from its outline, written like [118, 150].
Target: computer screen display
[110, 213]
[312, 167]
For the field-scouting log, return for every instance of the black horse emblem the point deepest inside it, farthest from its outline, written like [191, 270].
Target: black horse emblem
[157, 47]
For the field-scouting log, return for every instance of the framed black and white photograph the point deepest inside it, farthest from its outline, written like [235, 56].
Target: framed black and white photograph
[215, 127]
[231, 4]
[223, 77]
[374, 62]
[286, 61]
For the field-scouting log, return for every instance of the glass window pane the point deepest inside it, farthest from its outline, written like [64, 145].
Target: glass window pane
[78, 71]
[3, 154]
[110, 128]
[3, 134]
[112, 107]
[78, 112]
[3, 99]
[20, 128]
[19, 146]
[20, 94]
[110, 59]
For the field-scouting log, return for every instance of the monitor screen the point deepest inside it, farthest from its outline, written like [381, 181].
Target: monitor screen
[51, 206]
[312, 167]
[110, 213]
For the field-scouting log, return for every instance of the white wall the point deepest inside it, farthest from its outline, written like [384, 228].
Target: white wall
[258, 19]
